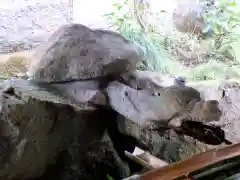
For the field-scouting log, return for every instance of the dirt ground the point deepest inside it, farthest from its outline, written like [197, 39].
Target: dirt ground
[12, 64]
[23, 54]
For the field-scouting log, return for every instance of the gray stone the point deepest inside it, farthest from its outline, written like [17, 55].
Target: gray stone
[76, 52]
[140, 109]
[146, 80]
[165, 145]
[47, 136]
[160, 108]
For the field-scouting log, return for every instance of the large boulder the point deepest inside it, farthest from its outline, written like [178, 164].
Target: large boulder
[167, 146]
[162, 103]
[137, 107]
[46, 136]
[226, 92]
[76, 52]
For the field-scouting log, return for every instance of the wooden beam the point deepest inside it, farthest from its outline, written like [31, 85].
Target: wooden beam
[186, 167]
[146, 159]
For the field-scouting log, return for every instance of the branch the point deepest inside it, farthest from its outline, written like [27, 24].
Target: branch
[137, 15]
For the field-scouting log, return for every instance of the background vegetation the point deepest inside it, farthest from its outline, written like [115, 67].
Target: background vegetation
[212, 55]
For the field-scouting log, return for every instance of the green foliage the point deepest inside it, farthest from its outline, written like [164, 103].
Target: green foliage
[122, 19]
[221, 21]
[109, 177]
[222, 17]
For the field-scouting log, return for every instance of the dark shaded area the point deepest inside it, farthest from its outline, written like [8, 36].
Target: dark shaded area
[122, 142]
[97, 160]
[208, 134]
[219, 171]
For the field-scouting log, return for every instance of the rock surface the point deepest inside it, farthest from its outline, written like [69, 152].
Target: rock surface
[167, 146]
[34, 19]
[169, 100]
[40, 128]
[209, 90]
[162, 102]
[80, 91]
[229, 103]
[76, 52]
[146, 80]
[138, 106]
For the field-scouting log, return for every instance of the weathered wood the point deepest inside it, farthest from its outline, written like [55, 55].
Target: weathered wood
[211, 171]
[185, 167]
[146, 159]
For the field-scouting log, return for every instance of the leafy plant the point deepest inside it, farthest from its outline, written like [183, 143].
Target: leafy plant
[221, 20]
[123, 20]
[109, 177]
[221, 17]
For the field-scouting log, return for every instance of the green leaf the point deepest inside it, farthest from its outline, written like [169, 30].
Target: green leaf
[121, 20]
[109, 177]
[234, 3]
[163, 11]
[217, 28]
[110, 14]
[118, 6]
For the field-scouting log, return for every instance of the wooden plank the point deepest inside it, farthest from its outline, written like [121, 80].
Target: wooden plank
[146, 159]
[186, 167]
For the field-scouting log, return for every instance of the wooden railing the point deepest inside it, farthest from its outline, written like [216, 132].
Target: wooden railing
[186, 167]
[161, 170]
